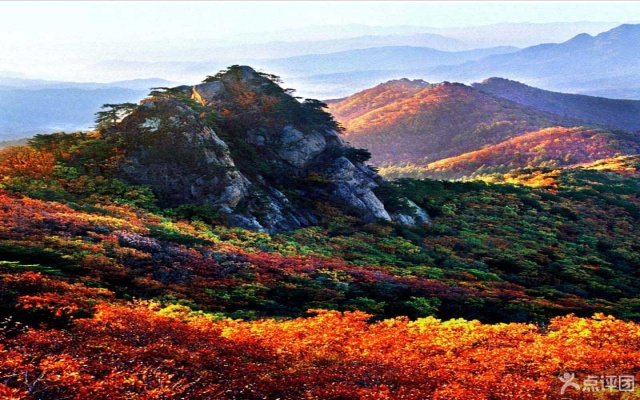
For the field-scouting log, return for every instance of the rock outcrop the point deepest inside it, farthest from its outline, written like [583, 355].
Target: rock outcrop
[245, 146]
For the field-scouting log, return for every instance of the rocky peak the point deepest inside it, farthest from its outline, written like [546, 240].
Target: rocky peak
[231, 85]
[242, 144]
[407, 83]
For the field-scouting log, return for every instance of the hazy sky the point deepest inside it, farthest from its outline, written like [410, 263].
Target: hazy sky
[152, 19]
[37, 36]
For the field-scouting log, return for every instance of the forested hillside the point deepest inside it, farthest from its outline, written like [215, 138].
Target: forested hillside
[550, 147]
[451, 131]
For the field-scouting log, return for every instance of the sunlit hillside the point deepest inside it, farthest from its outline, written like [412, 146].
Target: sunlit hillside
[412, 122]
[550, 147]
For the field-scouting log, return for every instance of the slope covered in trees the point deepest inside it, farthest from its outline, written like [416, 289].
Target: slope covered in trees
[527, 247]
[452, 131]
[474, 261]
[550, 147]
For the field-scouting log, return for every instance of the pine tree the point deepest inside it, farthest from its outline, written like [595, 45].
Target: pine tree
[113, 114]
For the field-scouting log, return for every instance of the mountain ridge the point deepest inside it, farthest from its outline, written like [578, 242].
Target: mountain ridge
[548, 148]
[385, 57]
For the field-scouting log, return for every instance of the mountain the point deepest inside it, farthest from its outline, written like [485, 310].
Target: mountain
[36, 84]
[622, 114]
[291, 48]
[415, 122]
[333, 86]
[522, 34]
[606, 62]
[317, 75]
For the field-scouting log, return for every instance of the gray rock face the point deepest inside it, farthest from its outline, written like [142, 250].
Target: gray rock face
[206, 93]
[333, 139]
[354, 185]
[414, 216]
[298, 148]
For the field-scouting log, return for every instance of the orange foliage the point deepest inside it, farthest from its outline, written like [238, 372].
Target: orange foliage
[25, 162]
[619, 165]
[144, 351]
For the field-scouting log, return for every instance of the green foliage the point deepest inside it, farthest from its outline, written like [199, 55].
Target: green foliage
[32, 257]
[392, 197]
[233, 70]
[421, 307]
[112, 114]
[15, 265]
[367, 305]
[196, 212]
[314, 114]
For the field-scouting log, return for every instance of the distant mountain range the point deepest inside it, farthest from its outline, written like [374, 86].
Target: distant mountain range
[315, 75]
[12, 83]
[247, 48]
[387, 58]
[603, 65]
[519, 34]
[26, 112]
[450, 130]
[314, 65]
[623, 114]
[29, 107]
[606, 63]
[288, 48]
